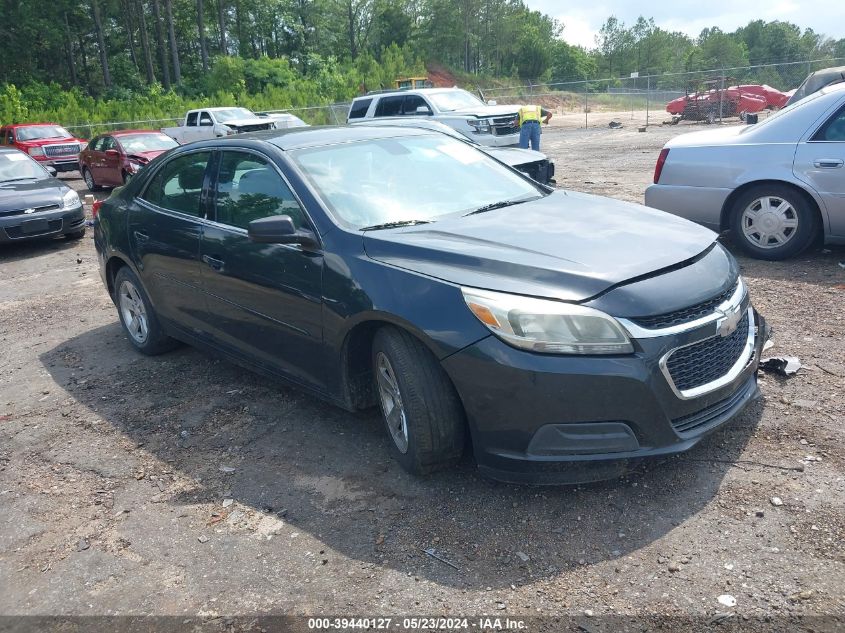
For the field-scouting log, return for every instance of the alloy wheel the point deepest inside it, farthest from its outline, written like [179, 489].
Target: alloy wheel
[391, 402]
[134, 313]
[769, 222]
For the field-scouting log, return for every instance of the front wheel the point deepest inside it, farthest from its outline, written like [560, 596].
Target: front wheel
[422, 413]
[137, 316]
[89, 180]
[773, 222]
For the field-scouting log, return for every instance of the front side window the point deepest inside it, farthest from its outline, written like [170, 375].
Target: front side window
[420, 177]
[249, 188]
[108, 143]
[177, 186]
[205, 119]
[389, 106]
[95, 144]
[412, 103]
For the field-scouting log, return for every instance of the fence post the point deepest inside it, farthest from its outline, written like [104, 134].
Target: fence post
[334, 115]
[586, 105]
[647, 96]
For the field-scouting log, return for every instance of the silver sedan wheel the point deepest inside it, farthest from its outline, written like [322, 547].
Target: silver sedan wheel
[391, 402]
[133, 312]
[769, 222]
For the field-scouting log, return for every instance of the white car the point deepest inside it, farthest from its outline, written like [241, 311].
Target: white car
[283, 120]
[208, 123]
[485, 123]
[776, 185]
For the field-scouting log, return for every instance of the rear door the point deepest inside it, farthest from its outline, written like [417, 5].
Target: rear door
[820, 162]
[265, 298]
[165, 226]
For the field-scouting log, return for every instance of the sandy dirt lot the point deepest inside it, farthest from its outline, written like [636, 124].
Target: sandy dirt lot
[184, 485]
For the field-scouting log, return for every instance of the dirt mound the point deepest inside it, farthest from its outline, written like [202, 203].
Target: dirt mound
[440, 77]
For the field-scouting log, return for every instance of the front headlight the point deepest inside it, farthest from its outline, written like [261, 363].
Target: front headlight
[134, 167]
[550, 327]
[482, 126]
[35, 151]
[70, 200]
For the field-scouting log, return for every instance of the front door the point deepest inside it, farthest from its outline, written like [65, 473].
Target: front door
[109, 171]
[165, 226]
[265, 298]
[820, 162]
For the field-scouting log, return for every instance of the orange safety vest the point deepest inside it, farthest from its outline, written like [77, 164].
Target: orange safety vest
[529, 113]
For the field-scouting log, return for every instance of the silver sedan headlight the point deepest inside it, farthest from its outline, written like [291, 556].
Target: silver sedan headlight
[550, 327]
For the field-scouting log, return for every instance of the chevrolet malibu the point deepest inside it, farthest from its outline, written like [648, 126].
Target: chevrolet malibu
[561, 335]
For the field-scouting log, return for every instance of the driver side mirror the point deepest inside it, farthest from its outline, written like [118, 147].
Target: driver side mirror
[423, 110]
[491, 102]
[206, 122]
[279, 229]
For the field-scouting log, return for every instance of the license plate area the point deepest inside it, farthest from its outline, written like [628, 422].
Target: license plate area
[38, 225]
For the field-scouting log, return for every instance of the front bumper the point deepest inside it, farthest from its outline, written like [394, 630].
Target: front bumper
[565, 419]
[495, 140]
[21, 227]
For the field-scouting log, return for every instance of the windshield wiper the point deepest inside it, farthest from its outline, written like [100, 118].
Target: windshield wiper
[393, 225]
[501, 204]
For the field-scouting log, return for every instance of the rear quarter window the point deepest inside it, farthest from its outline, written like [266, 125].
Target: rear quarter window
[359, 108]
[390, 106]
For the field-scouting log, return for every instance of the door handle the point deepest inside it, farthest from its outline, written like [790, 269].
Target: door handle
[828, 163]
[213, 263]
[141, 236]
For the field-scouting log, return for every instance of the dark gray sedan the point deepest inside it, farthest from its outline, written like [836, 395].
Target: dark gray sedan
[34, 203]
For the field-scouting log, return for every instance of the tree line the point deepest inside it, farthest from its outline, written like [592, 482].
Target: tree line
[71, 56]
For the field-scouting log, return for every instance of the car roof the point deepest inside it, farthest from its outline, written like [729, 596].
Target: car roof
[301, 137]
[413, 91]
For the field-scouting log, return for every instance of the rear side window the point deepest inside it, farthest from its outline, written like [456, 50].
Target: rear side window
[359, 108]
[192, 119]
[390, 106]
[834, 129]
[178, 184]
[249, 188]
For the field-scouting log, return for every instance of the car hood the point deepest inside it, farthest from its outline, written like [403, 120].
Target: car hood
[569, 246]
[488, 110]
[28, 194]
[145, 157]
[717, 136]
[249, 121]
[514, 155]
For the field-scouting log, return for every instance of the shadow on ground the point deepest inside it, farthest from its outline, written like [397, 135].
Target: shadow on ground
[327, 472]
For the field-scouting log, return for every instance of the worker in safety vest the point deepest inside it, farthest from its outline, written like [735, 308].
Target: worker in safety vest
[529, 125]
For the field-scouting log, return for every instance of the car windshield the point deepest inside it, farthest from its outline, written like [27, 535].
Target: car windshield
[407, 179]
[231, 114]
[139, 143]
[39, 132]
[454, 100]
[18, 166]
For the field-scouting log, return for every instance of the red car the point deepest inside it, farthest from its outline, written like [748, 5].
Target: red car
[48, 143]
[110, 160]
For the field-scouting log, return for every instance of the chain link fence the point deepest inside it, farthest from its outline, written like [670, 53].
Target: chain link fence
[639, 100]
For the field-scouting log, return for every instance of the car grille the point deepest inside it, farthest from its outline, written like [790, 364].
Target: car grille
[49, 207]
[16, 232]
[254, 128]
[703, 362]
[502, 126]
[68, 149]
[700, 421]
[685, 315]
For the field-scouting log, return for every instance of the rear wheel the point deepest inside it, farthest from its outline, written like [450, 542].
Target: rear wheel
[421, 409]
[137, 316]
[773, 221]
[89, 180]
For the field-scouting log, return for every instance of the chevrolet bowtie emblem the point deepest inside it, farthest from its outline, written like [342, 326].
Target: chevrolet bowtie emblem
[727, 324]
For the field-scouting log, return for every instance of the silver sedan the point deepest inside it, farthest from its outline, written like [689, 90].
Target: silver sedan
[778, 185]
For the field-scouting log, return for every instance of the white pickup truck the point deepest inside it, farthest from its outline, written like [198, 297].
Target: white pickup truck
[206, 123]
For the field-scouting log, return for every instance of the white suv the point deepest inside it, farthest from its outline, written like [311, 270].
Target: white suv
[486, 123]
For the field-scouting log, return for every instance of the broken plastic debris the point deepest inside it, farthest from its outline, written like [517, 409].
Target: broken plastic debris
[783, 365]
[431, 552]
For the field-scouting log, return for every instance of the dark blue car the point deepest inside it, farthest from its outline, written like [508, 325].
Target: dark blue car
[561, 335]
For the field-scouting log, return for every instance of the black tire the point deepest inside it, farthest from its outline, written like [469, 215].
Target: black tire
[76, 235]
[155, 341]
[88, 177]
[802, 213]
[434, 415]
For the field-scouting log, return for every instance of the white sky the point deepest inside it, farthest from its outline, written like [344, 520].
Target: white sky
[583, 20]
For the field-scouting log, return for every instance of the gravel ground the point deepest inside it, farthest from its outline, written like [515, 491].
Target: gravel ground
[184, 485]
